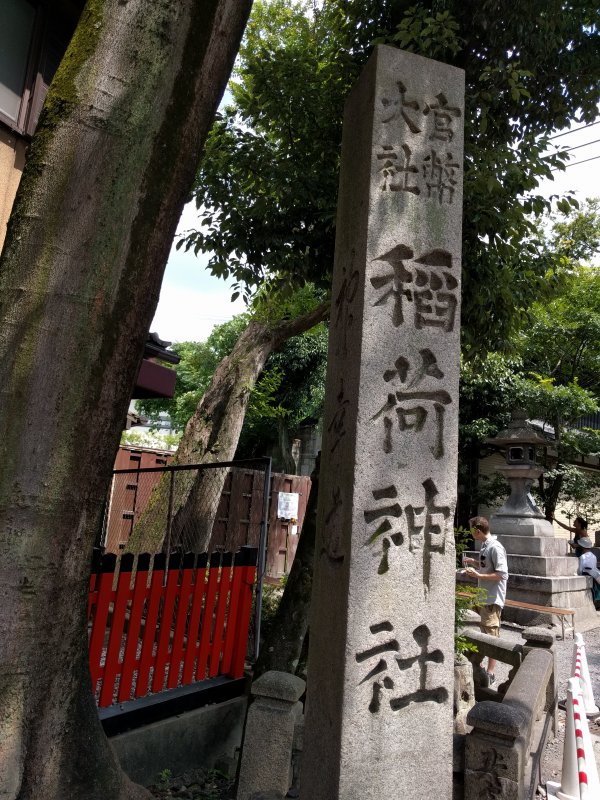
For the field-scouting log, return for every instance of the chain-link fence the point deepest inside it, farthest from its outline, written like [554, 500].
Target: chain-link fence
[191, 508]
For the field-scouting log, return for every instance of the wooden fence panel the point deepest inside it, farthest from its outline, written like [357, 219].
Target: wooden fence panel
[239, 514]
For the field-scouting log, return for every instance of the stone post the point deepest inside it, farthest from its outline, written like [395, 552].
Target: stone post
[496, 752]
[269, 735]
[381, 656]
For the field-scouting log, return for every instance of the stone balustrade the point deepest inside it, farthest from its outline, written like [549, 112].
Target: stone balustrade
[497, 750]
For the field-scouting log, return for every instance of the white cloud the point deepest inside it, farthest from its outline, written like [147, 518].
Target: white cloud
[190, 315]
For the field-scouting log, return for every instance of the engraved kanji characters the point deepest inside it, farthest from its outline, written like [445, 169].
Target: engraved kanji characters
[442, 118]
[422, 659]
[427, 526]
[343, 304]
[412, 407]
[423, 528]
[392, 510]
[427, 283]
[396, 164]
[337, 426]
[439, 172]
[397, 107]
[330, 543]
[397, 170]
[435, 303]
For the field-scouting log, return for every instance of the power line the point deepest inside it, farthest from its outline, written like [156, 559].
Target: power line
[575, 163]
[574, 130]
[579, 146]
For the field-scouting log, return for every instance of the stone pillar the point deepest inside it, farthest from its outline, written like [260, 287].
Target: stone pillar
[267, 752]
[381, 657]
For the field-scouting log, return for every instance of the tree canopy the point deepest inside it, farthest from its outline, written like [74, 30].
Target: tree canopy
[551, 372]
[269, 184]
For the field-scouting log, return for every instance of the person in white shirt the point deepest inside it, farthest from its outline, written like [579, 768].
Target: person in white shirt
[492, 576]
[588, 565]
[587, 560]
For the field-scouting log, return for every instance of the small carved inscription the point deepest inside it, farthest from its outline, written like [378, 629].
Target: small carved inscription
[337, 426]
[422, 659]
[344, 316]
[401, 169]
[331, 545]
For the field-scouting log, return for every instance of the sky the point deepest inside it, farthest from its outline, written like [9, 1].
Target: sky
[192, 302]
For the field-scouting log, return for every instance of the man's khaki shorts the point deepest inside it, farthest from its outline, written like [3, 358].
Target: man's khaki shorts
[490, 619]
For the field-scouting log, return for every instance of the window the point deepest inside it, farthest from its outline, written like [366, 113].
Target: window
[16, 36]
[33, 39]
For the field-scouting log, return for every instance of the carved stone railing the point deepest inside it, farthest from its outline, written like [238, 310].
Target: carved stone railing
[498, 762]
[506, 652]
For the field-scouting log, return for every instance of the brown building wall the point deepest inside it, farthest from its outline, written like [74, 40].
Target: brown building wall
[12, 163]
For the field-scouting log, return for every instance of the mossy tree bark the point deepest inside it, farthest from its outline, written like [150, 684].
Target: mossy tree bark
[212, 435]
[107, 176]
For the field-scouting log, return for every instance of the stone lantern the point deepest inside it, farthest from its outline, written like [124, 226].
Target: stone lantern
[519, 516]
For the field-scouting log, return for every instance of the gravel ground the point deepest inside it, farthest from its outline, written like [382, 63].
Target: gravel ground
[211, 785]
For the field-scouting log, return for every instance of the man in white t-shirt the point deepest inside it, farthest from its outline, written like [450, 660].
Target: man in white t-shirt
[492, 576]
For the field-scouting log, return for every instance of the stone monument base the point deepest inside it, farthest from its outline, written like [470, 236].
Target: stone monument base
[542, 572]
[560, 592]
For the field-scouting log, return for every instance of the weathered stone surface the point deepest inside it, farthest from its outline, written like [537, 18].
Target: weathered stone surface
[498, 718]
[267, 753]
[544, 566]
[279, 685]
[379, 712]
[551, 546]
[485, 784]
[464, 694]
[538, 637]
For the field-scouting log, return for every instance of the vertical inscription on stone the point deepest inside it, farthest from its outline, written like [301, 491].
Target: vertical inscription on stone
[381, 649]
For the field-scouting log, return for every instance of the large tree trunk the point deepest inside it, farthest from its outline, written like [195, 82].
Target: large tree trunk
[212, 435]
[109, 170]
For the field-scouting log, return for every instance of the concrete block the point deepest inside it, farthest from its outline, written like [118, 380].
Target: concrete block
[194, 740]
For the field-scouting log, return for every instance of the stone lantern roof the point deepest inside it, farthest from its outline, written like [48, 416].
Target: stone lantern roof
[519, 431]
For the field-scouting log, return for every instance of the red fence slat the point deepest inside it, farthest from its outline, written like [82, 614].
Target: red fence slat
[217, 639]
[113, 651]
[207, 616]
[100, 618]
[149, 636]
[192, 627]
[193, 643]
[234, 599]
[130, 656]
[183, 601]
[243, 617]
[166, 618]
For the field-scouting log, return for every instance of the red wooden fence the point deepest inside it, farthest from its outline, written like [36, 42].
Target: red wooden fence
[167, 628]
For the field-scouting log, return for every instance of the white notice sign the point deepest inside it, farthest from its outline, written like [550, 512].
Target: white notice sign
[287, 505]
